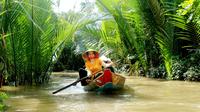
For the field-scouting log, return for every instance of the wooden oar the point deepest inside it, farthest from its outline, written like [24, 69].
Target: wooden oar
[74, 83]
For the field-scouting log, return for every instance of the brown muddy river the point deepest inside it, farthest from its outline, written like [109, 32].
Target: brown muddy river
[140, 95]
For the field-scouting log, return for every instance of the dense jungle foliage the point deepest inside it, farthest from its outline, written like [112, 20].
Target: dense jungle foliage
[153, 38]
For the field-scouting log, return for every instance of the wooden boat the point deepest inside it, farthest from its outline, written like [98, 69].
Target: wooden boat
[107, 81]
[116, 83]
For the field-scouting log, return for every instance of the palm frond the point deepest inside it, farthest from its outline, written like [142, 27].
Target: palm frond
[126, 30]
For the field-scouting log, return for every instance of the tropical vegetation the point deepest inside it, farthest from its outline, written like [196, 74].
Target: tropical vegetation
[154, 38]
[3, 96]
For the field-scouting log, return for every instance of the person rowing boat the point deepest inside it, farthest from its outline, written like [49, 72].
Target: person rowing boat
[94, 69]
[94, 77]
[98, 77]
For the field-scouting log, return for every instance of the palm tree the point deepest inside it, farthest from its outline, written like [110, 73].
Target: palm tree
[188, 22]
[161, 30]
[129, 26]
[37, 36]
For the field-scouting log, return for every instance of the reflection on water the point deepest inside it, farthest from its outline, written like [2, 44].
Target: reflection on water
[139, 95]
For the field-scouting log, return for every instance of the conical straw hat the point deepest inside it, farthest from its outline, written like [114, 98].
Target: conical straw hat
[85, 54]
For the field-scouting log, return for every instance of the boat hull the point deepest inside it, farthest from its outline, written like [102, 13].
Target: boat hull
[117, 83]
[105, 88]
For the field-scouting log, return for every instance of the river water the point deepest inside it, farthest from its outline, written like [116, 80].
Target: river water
[140, 95]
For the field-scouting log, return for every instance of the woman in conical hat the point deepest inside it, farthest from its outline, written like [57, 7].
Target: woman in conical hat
[86, 55]
[92, 62]
[94, 65]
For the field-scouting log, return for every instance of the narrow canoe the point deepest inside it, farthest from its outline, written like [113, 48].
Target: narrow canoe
[116, 84]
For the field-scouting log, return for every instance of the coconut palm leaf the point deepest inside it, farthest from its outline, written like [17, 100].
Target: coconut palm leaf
[162, 28]
[36, 36]
[189, 25]
[127, 30]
